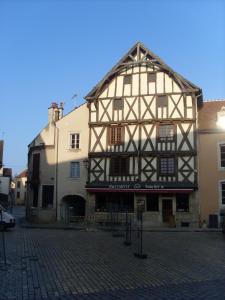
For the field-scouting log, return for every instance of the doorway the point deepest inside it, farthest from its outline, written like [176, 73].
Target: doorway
[167, 210]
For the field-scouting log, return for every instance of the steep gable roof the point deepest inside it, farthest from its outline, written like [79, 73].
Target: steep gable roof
[138, 55]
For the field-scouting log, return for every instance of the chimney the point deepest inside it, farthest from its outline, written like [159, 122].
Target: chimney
[55, 112]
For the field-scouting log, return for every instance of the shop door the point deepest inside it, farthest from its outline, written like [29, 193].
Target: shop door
[167, 210]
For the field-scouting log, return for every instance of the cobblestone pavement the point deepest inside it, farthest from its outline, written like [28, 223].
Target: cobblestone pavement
[69, 264]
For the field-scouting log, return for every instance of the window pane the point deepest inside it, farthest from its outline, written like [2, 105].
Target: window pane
[75, 141]
[166, 132]
[151, 77]
[118, 104]
[127, 79]
[223, 192]
[116, 135]
[75, 169]
[119, 166]
[162, 101]
[182, 202]
[222, 155]
[167, 165]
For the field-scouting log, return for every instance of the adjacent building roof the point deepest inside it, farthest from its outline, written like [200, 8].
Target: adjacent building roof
[207, 116]
[22, 174]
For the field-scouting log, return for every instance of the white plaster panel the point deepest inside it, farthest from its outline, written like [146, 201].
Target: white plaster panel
[104, 93]
[93, 117]
[189, 101]
[119, 87]
[176, 87]
[127, 90]
[135, 85]
[111, 92]
[168, 84]
[130, 70]
[151, 87]
[136, 70]
[143, 87]
[159, 82]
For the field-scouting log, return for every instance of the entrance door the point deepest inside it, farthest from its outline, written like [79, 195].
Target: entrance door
[167, 210]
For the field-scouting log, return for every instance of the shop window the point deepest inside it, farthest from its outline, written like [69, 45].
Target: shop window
[114, 202]
[182, 201]
[152, 202]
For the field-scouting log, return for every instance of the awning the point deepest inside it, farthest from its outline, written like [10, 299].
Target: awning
[143, 191]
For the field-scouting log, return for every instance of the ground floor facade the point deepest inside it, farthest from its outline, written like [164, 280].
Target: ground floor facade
[160, 208]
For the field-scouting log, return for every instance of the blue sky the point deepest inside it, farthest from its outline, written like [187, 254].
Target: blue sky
[53, 49]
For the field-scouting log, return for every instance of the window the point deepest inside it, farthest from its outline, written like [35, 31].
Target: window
[118, 104]
[18, 195]
[127, 79]
[222, 155]
[152, 202]
[182, 202]
[47, 196]
[162, 101]
[151, 77]
[116, 135]
[75, 169]
[166, 132]
[18, 184]
[119, 202]
[74, 141]
[223, 192]
[36, 167]
[167, 165]
[119, 166]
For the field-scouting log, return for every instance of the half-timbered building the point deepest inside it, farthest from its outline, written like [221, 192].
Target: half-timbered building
[142, 142]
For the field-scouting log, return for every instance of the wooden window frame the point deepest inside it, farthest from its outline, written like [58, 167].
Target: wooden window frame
[74, 141]
[221, 153]
[160, 100]
[151, 77]
[72, 172]
[116, 135]
[167, 137]
[167, 172]
[120, 163]
[127, 79]
[116, 106]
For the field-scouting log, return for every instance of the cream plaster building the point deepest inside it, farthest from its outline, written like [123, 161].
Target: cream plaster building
[211, 136]
[56, 167]
[20, 189]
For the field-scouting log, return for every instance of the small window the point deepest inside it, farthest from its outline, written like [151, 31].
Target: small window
[74, 141]
[182, 202]
[119, 166]
[47, 196]
[75, 169]
[222, 155]
[223, 192]
[167, 165]
[166, 132]
[18, 195]
[118, 104]
[116, 135]
[152, 202]
[18, 184]
[127, 79]
[151, 77]
[162, 101]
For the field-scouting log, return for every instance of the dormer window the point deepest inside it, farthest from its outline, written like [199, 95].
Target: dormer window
[127, 79]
